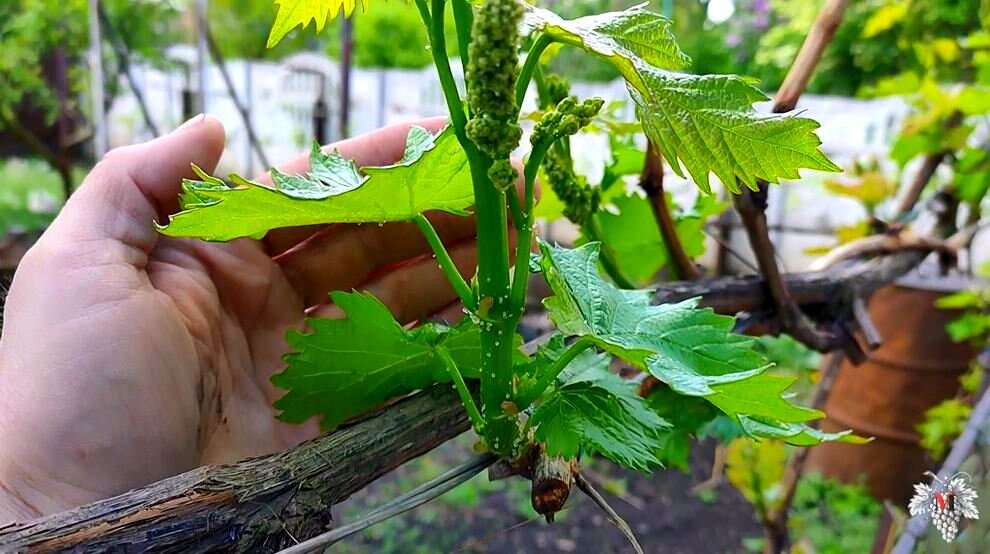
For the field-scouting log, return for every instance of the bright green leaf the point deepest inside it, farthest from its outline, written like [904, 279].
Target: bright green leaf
[942, 426]
[706, 124]
[598, 411]
[900, 84]
[885, 18]
[345, 367]
[619, 37]
[961, 300]
[678, 343]
[760, 396]
[974, 100]
[692, 350]
[701, 124]
[871, 188]
[439, 179]
[298, 13]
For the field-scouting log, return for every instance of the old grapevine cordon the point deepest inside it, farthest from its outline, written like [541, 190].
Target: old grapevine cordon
[564, 397]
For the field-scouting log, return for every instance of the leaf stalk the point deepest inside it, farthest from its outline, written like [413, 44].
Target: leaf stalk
[555, 370]
[455, 374]
[520, 280]
[531, 64]
[463, 290]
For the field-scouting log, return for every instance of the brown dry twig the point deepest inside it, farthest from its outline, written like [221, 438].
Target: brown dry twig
[901, 241]
[651, 181]
[751, 205]
[613, 516]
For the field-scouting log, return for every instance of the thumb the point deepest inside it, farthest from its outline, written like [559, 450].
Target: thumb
[136, 185]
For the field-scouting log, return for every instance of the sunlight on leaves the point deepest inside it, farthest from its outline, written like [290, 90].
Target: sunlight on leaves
[299, 13]
[439, 179]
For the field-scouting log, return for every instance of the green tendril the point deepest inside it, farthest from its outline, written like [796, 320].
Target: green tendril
[580, 200]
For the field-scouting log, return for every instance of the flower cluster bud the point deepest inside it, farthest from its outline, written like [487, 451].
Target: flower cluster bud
[569, 117]
[491, 77]
[580, 200]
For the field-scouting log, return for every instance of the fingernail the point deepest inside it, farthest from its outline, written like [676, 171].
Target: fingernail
[193, 121]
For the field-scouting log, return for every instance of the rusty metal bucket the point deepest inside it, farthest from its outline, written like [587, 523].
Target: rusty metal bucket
[917, 367]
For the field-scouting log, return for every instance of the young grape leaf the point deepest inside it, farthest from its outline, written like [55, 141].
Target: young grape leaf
[439, 179]
[345, 367]
[298, 13]
[701, 124]
[419, 142]
[692, 350]
[194, 192]
[619, 37]
[691, 347]
[706, 124]
[756, 469]
[529, 371]
[329, 175]
[596, 410]
[761, 396]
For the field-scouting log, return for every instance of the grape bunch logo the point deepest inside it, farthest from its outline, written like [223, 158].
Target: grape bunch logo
[945, 502]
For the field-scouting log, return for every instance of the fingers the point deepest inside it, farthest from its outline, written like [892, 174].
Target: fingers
[383, 147]
[342, 257]
[135, 185]
[417, 290]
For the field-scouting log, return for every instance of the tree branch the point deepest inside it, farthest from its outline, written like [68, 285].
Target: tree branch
[812, 290]
[929, 165]
[122, 52]
[242, 110]
[777, 520]
[651, 182]
[820, 35]
[751, 205]
[261, 504]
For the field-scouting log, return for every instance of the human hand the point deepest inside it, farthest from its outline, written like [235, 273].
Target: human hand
[128, 357]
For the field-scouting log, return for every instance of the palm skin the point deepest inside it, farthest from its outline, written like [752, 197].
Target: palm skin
[127, 357]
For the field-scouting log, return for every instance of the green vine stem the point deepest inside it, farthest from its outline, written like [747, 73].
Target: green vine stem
[462, 390]
[463, 20]
[555, 370]
[446, 263]
[438, 47]
[424, 13]
[520, 278]
[515, 208]
[497, 322]
[530, 66]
